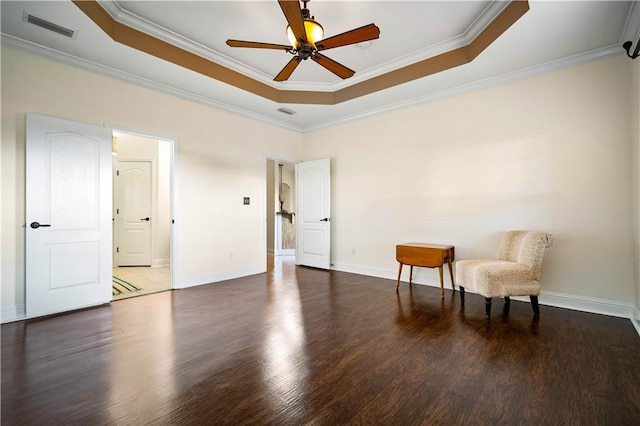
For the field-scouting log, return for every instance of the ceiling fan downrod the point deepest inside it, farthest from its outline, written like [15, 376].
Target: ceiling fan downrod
[305, 50]
[306, 14]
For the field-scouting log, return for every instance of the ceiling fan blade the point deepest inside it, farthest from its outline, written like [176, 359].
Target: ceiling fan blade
[288, 69]
[366, 33]
[333, 66]
[257, 45]
[293, 13]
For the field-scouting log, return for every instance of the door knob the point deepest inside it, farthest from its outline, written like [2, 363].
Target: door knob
[326, 219]
[36, 225]
[145, 219]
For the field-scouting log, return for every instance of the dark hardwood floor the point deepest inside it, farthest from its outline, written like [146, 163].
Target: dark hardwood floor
[302, 346]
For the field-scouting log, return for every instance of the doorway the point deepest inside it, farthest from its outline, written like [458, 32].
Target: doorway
[281, 208]
[142, 246]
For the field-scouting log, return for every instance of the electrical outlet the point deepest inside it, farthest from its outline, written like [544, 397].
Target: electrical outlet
[230, 255]
[353, 252]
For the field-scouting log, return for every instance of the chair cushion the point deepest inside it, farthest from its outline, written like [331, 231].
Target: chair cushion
[497, 278]
[525, 247]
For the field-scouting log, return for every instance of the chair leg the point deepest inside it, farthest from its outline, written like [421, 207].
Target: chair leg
[487, 306]
[461, 295]
[507, 300]
[505, 309]
[534, 305]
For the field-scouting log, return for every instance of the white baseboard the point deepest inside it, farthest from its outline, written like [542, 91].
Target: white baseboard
[636, 320]
[584, 304]
[285, 252]
[373, 272]
[560, 300]
[13, 313]
[568, 301]
[155, 263]
[213, 278]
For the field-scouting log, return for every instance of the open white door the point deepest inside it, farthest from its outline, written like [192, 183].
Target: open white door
[68, 215]
[313, 180]
[134, 217]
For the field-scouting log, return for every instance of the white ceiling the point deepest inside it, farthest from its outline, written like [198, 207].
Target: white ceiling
[552, 34]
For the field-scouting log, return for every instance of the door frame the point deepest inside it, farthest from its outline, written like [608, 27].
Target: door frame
[276, 160]
[173, 177]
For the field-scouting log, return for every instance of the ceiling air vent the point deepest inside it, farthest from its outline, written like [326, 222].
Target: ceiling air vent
[286, 111]
[48, 25]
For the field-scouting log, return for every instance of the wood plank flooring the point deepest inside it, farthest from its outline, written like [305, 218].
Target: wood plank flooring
[298, 346]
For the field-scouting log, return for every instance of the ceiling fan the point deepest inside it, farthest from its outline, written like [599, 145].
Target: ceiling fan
[305, 35]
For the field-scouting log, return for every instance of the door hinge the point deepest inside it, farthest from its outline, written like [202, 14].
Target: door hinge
[117, 249]
[117, 211]
[117, 172]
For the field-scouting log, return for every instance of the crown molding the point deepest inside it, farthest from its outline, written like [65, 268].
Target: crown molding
[66, 59]
[136, 39]
[632, 25]
[467, 37]
[74, 61]
[123, 16]
[130, 19]
[608, 51]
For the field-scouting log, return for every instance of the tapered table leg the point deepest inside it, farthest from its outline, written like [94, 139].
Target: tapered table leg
[410, 275]
[453, 286]
[399, 273]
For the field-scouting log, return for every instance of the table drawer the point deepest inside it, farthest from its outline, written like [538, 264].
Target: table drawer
[421, 256]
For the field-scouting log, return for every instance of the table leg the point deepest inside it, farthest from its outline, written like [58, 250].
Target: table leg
[410, 275]
[441, 282]
[399, 273]
[453, 286]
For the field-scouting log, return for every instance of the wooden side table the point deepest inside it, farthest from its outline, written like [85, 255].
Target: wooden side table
[425, 255]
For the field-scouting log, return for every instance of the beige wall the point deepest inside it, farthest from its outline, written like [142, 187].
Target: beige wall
[289, 186]
[550, 153]
[272, 204]
[221, 159]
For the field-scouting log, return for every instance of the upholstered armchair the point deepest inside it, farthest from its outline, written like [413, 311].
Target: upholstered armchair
[516, 272]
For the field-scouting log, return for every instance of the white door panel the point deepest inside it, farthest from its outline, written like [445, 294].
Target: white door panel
[135, 213]
[68, 192]
[314, 213]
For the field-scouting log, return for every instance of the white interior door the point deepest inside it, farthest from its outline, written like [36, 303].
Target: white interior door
[68, 215]
[134, 218]
[313, 180]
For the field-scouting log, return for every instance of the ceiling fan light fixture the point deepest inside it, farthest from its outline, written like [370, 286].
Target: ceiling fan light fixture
[314, 31]
[310, 41]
